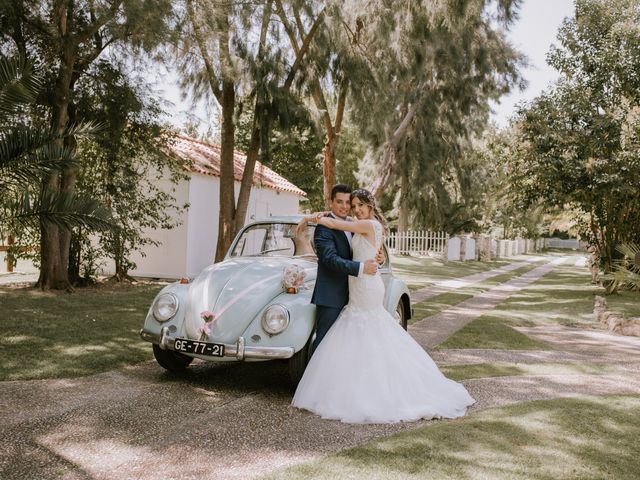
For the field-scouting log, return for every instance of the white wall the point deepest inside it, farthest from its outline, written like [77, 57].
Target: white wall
[169, 259]
[265, 202]
[187, 249]
[204, 198]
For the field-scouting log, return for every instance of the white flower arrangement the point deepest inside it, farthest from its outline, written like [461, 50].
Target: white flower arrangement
[293, 278]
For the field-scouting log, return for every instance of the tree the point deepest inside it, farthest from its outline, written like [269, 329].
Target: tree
[126, 165]
[225, 63]
[450, 60]
[28, 154]
[293, 153]
[66, 38]
[581, 139]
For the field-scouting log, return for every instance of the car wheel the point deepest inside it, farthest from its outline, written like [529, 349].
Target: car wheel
[298, 362]
[173, 361]
[401, 315]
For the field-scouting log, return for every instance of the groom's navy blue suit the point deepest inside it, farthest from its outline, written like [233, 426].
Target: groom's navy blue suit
[331, 292]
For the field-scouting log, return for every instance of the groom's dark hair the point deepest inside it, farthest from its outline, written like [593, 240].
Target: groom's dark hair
[340, 188]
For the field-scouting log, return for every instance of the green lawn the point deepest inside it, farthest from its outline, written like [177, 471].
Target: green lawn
[564, 296]
[55, 335]
[572, 439]
[436, 304]
[421, 272]
[626, 302]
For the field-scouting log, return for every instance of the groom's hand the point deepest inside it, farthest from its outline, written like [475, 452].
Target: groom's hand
[370, 267]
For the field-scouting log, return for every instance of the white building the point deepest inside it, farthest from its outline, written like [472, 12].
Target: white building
[185, 250]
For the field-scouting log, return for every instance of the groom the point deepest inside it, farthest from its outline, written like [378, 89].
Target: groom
[333, 247]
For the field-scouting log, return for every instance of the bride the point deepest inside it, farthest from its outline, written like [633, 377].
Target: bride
[368, 369]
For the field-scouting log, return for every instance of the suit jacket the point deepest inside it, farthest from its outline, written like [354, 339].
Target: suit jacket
[334, 267]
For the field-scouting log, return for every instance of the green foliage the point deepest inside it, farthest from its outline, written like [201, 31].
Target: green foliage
[126, 166]
[503, 212]
[65, 39]
[28, 154]
[447, 61]
[626, 270]
[579, 143]
[18, 85]
[294, 153]
[350, 151]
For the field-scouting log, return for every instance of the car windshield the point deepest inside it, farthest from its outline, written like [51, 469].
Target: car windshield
[274, 239]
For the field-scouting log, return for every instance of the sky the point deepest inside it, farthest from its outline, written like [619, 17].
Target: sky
[533, 34]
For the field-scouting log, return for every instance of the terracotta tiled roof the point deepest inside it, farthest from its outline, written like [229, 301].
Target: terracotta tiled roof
[205, 159]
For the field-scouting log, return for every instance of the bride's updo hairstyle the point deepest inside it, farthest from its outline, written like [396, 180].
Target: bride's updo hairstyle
[367, 198]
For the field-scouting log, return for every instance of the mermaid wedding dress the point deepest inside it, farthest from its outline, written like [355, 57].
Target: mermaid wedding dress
[368, 369]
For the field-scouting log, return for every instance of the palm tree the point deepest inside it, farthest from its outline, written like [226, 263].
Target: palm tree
[28, 154]
[626, 270]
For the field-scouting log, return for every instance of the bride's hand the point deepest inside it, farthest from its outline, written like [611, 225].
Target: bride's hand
[316, 217]
[302, 226]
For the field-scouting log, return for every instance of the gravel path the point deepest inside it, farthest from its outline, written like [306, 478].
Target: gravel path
[435, 329]
[444, 286]
[234, 421]
[569, 345]
[218, 422]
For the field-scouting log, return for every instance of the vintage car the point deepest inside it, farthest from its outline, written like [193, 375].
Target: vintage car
[241, 309]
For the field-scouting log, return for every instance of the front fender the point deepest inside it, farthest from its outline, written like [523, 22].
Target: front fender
[175, 324]
[301, 324]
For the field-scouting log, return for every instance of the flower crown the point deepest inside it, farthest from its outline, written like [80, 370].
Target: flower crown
[362, 193]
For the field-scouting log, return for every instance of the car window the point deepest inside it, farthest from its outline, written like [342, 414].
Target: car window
[274, 239]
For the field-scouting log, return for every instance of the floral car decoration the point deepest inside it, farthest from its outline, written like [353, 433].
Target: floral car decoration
[255, 305]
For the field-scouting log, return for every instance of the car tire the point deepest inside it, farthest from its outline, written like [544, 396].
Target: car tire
[299, 361]
[401, 314]
[175, 362]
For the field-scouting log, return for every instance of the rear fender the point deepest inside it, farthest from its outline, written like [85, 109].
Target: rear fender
[396, 292]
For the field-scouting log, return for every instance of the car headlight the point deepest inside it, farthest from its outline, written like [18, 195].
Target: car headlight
[275, 319]
[165, 307]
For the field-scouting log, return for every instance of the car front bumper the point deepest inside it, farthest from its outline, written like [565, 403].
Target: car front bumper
[238, 350]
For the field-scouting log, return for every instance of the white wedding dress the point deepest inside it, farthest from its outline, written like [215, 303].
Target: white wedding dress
[368, 369]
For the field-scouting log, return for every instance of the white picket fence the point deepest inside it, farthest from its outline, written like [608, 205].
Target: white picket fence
[572, 243]
[421, 242]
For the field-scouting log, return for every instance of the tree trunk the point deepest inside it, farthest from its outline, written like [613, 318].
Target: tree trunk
[227, 180]
[403, 211]
[11, 240]
[227, 146]
[55, 240]
[329, 166]
[247, 175]
[257, 135]
[332, 137]
[390, 159]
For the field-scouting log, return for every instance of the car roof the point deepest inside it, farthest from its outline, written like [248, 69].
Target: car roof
[278, 219]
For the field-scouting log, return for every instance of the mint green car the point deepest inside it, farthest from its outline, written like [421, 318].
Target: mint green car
[239, 309]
